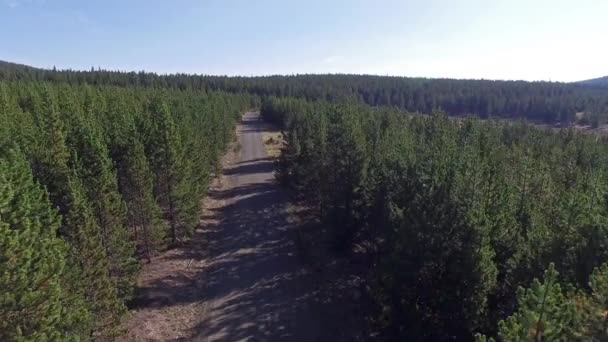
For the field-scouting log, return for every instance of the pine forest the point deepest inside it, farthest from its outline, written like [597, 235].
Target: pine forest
[480, 207]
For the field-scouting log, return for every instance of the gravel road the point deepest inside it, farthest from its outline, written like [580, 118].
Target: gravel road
[256, 287]
[240, 278]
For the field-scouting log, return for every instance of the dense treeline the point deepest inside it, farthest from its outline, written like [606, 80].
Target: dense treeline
[101, 170]
[548, 102]
[459, 214]
[93, 181]
[596, 82]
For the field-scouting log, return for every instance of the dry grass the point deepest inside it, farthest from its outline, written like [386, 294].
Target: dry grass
[274, 142]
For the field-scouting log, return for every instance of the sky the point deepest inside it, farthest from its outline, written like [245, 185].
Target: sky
[553, 40]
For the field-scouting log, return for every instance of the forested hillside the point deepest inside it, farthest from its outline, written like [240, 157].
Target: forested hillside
[459, 217]
[598, 82]
[96, 179]
[546, 102]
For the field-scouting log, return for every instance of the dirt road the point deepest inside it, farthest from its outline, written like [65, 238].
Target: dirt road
[247, 283]
[257, 288]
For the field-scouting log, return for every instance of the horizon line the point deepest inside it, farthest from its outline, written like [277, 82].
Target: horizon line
[295, 74]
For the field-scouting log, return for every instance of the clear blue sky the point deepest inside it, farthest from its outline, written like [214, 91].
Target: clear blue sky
[511, 39]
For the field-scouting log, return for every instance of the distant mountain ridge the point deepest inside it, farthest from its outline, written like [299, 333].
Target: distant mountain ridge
[7, 64]
[600, 81]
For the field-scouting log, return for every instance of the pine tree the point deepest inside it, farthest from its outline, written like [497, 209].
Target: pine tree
[348, 159]
[99, 179]
[54, 166]
[8, 114]
[595, 310]
[51, 155]
[92, 267]
[18, 126]
[135, 179]
[544, 313]
[166, 157]
[143, 214]
[33, 304]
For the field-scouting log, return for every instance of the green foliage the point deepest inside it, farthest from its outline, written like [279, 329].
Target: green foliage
[91, 262]
[544, 313]
[345, 179]
[144, 214]
[168, 162]
[456, 214]
[96, 169]
[33, 304]
[105, 155]
[595, 306]
[550, 102]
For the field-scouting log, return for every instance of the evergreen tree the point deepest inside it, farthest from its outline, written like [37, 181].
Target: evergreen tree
[135, 179]
[33, 304]
[544, 313]
[595, 307]
[51, 154]
[348, 158]
[99, 179]
[144, 215]
[88, 254]
[163, 145]
[91, 148]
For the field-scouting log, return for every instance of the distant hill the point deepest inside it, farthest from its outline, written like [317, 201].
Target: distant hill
[9, 70]
[11, 65]
[600, 81]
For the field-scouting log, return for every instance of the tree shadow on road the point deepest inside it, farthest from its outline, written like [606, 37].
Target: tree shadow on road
[249, 280]
[259, 166]
[254, 280]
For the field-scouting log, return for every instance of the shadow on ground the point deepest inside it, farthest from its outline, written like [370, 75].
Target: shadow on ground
[254, 285]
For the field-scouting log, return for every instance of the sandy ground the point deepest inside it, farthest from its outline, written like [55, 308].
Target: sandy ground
[242, 277]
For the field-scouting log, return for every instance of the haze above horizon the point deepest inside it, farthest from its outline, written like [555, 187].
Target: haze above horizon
[529, 40]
